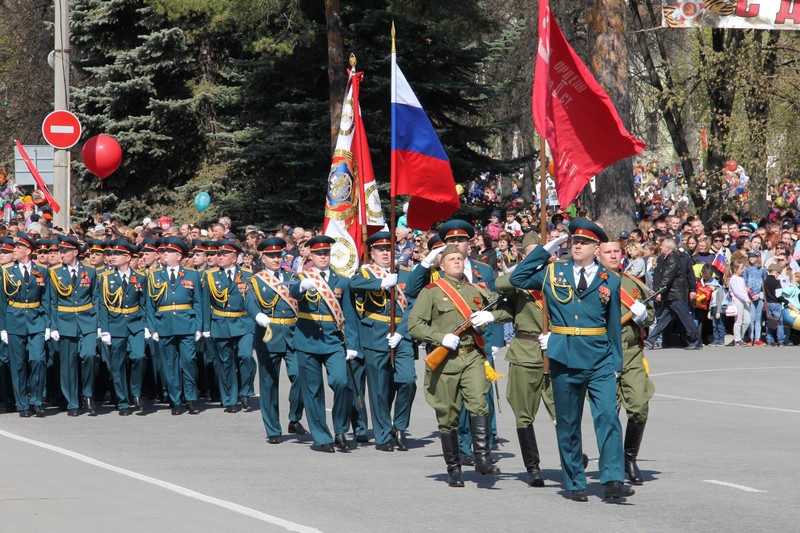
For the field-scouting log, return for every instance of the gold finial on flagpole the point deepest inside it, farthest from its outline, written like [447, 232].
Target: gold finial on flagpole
[353, 60]
[394, 50]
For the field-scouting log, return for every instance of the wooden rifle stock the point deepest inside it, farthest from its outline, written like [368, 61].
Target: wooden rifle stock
[440, 353]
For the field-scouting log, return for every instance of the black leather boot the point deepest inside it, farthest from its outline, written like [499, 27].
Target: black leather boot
[633, 439]
[480, 446]
[451, 459]
[88, 405]
[530, 455]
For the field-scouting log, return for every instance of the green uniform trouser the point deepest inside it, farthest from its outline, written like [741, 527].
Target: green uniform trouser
[459, 379]
[634, 388]
[526, 388]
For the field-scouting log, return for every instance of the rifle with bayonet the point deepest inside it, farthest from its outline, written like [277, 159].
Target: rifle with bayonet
[440, 353]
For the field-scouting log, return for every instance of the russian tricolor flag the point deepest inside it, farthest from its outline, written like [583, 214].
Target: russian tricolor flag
[719, 261]
[419, 165]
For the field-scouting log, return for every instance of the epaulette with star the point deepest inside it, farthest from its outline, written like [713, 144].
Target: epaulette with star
[106, 272]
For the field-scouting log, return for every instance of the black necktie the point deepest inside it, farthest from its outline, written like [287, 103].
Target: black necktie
[125, 280]
[172, 276]
[74, 277]
[230, 276]
[582, 281]
[25, 274]
[324, 275]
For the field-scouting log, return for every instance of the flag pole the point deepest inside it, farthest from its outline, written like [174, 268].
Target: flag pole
[543, 229]
[362, 210]
[392, 201]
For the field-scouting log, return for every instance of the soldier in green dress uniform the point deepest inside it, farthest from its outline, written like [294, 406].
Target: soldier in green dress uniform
[25, 325]
[274, 311]
[585, 341]
[461, 377]
[6, 389]
[73, 313]
[634, 388]
[121, 320]
[371, 285]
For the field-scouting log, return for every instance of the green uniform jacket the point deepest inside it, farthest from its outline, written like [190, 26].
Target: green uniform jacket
[371, 302]
[434, 315]
[262, 299]
[66, 295]
[117, 305]
[597, 307]
[24, 320]
[173, 309]
[222, 300]
[631, 331]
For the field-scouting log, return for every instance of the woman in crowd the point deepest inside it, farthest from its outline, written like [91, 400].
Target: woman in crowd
[691, 245]
[636, 265]
[506, 255]
[483, 251]
[703, 253]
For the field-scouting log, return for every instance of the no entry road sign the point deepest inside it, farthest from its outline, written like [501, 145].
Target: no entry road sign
[61, 129]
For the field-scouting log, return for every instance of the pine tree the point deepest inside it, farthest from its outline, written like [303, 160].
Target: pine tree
[135, 84]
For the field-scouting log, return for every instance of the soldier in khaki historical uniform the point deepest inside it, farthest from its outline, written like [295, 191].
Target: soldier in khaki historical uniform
[634, 388]
[461, 378]
[527, 383]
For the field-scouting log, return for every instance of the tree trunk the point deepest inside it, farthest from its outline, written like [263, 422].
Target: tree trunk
[725, 46]
[614, 199]
[758, 106]
[337, 77]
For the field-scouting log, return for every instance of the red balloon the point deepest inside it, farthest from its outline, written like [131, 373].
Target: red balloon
[102, 155]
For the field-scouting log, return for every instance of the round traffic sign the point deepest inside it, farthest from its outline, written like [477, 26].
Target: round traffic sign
[61, 129]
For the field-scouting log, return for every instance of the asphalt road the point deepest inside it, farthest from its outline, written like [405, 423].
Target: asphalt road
[718, 455]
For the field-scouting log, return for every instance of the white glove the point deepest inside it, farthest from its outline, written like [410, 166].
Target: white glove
[543, 339]
[307, 284]
[553, 245]
[262, 320]
[351, 354]
[47, 334]
[105, 338]
[451, 341]
[431, 257]
[99, 332]
[147, 334]
[197, 335]
[206, 334]
[155, 336]
[639, 311]
[495, 350]
[4, 336]
[393, 339]
[55, 335]
[481, 318]
[389, 281]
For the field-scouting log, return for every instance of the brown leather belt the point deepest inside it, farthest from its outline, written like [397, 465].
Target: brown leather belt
[526, 336]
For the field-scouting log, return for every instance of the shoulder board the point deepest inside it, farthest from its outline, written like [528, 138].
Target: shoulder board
[246, 269]
[57, 265]
[614, 273]
[157, 269]
[431, 286]
[141, 272]
[476, 262]
[193, 269]
[212, 270]
[106, 272]
[8, 265]
[559, 261]
[404, 268]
